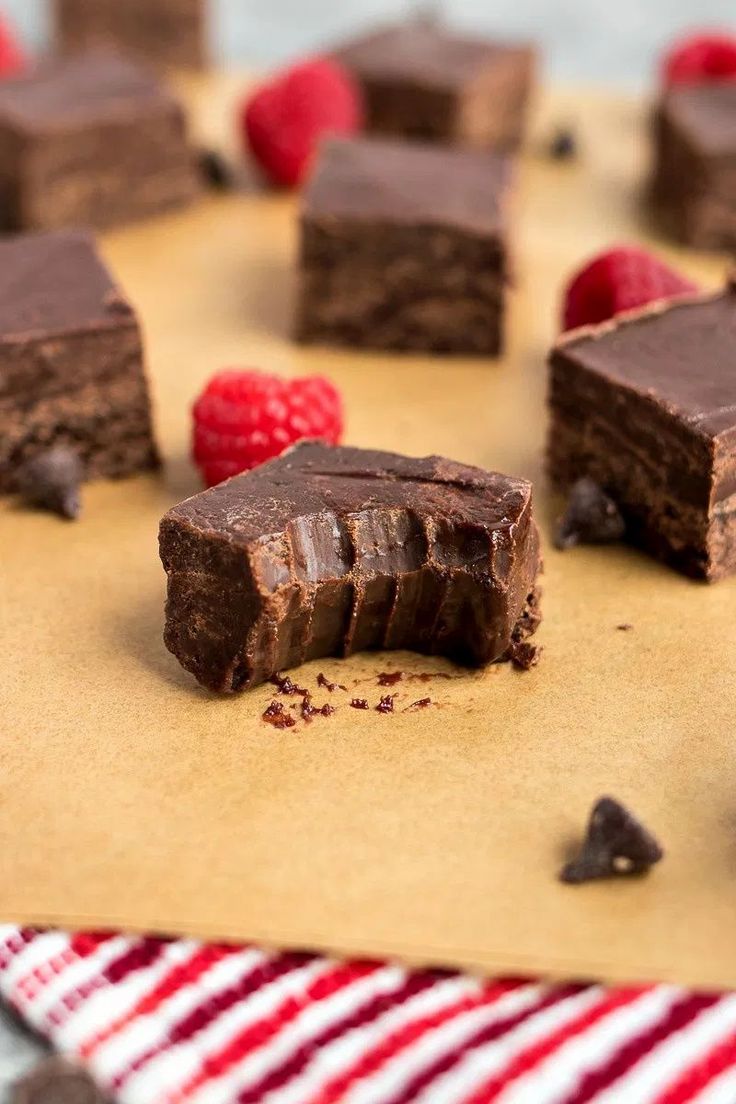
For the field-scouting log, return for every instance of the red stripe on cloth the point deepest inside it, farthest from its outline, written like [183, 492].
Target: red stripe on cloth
[179, 977]
[479, 1038]
[257, 977]
[137, 957]
[535, 1054]
[699, 1075]
[15, 944]
[83, 944]
[621, 1061]
[258, 1033]
[361, 1017]
[405, 1036]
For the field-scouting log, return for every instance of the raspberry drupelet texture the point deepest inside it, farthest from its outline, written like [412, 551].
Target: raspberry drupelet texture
[243, 418]
[700, 59]
[285, 119]
[618, 280]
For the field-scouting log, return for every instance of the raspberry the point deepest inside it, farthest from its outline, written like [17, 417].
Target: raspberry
[284, 120]
[700, 59]
[12, 60]
[620, 279]
[243, 418]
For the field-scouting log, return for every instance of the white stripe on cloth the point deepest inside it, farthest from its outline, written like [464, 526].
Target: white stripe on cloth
[78, 972]
[310, 1022]
[334, 1059]
[171, 1070]
[110, 1000]
[145, 1032]
[444, 1039]
[673, 1055]
[720, 1091]
[556, 1077]
[317, 1018]
[480, 1063]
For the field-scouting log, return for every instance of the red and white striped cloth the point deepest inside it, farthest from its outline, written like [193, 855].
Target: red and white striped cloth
[172, 1021]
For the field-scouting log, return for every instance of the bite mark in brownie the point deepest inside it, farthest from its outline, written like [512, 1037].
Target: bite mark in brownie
[330, 551]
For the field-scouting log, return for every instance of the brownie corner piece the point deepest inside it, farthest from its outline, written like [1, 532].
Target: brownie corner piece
[404, 247]
[91, 139]
[646, 406]
[423, 80]
[692, 192]
[330, 551]
[71, 360]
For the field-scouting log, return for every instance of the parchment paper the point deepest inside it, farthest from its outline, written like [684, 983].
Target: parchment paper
[129, 797]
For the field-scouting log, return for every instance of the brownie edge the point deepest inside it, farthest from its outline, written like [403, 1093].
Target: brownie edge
[330, 551]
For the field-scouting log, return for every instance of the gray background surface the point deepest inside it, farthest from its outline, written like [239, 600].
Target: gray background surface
[614, 41]
[601, 40]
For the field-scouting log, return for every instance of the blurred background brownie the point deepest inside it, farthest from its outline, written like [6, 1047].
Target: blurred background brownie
[694, 185]
[403, 246]
[165, 33]
[71, 360]
[422, 80]
[90, 140]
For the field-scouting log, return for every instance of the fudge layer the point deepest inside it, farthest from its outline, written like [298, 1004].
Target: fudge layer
[693, 190]
[422, 80]
[90, 140]
[162, 32]
[71, 359]
[403, 247]
[646, 406]
[328, 551]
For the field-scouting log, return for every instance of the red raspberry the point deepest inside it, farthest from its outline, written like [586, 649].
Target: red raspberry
[620, 279]
[700, 59]
[12, 60]
[243, 418]
[284, 120]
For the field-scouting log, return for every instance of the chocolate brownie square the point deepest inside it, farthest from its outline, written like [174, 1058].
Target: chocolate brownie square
[646, 406]
[693, 190]
[164, 33]
[422, 80]
[330, 551]
[71, 360]
[403, 246]
[90, 140]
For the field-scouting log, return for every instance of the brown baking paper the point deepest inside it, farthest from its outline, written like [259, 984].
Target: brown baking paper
[130, 797]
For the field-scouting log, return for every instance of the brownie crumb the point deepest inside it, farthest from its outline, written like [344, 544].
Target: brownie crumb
[423, 703]
[390, 678]
[615, 844]
[591, 517]
[286, 686]
[331, 687]
[625, 626]
[215, 170]
[563, 145]
[386, 704]
[277, 716]
[55, 1080]
[52, 481]
[308, 710]
[524, 656]
[359, 703]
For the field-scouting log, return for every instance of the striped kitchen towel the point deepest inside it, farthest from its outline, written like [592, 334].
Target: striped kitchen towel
[171, 1021]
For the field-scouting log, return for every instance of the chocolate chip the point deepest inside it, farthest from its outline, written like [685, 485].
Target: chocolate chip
[423, 703]
[277, 716]
[616, 843]
[359, 703]
[52, 480]
[524, 656]
[56, 1081]
[386, 704]
[216, 171]
[325, 683]
[591, 517]
[286, 686]
[563, 145]
[308, 710]
[390, 678]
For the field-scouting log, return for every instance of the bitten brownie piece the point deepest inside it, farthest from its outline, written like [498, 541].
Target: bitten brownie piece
[162, 32]
[693, 190]
[91, 140]
[421, 80]
[403, 246]
[646, 406]
[329, 551]
[71, 360]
